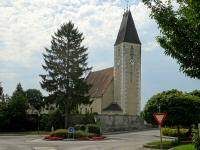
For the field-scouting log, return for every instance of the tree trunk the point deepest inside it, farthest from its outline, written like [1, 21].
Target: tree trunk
[66, 117]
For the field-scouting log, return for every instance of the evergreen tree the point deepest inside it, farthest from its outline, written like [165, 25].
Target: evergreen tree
[66, 67]
[17, 107]
[1, 92]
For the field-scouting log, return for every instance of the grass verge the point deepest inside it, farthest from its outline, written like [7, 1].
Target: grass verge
[156, 144]
[185, 147]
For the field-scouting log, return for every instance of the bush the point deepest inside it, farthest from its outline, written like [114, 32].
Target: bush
[93, 128]
[54, 119]
[81, 127]
[173, 132]
[79, 134]
[88, 119]
[65, 133]
[60, 132]
[196, 140]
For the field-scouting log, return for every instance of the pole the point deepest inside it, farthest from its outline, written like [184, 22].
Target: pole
[161, 146]
[199, 128]
[38, 123]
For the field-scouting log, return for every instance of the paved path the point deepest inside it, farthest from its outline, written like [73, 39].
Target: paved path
[126, 141]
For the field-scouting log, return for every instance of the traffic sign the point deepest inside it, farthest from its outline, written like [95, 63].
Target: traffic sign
[160, 117]
[71, 130]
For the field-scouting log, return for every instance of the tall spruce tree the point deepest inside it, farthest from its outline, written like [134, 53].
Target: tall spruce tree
[66, 66]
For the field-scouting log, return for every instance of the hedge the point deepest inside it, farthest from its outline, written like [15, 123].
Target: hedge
[173, 132]
[93, 128]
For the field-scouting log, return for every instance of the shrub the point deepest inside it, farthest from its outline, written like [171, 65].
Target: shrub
[88, 119]
[54, 118]
[169, 132]
[81, 127]
[65, 133]
[173, 132]
[196, 140]
[60, 132]
[93, 128]
[79, 134]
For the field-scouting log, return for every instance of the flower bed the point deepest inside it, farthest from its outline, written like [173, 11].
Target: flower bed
[54, 138]
[58, 138]
[62, 134]
[98, 137]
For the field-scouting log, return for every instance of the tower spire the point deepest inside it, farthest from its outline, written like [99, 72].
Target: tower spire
[127, 31]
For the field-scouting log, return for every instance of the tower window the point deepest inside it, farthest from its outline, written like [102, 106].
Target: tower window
[132, 52]
[131, 61]
[118, 52]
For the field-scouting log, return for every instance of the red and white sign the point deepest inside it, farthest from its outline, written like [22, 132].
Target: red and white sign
[160, 117]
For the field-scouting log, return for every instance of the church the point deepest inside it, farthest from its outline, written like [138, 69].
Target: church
[117, 90]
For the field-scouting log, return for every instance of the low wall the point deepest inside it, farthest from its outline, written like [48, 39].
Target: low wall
[113, 122]
[120, 122]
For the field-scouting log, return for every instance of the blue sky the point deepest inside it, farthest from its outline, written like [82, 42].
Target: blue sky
[26, 28]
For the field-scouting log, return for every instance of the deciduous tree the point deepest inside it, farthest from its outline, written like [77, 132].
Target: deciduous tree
[179, 26]
[35, 99]
[181, 108]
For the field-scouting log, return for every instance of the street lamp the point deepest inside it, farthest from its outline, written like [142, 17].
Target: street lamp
[38, 122]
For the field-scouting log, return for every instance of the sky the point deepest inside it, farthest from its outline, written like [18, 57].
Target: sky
[26, 28]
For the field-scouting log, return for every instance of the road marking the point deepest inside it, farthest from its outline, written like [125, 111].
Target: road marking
[44, 148]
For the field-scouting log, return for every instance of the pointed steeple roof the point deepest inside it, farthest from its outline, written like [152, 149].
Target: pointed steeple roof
[127, 31]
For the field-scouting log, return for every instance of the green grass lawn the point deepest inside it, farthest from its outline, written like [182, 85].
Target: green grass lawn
[184, 147]
[156, 144]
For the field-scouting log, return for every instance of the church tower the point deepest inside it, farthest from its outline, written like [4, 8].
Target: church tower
[127, 67]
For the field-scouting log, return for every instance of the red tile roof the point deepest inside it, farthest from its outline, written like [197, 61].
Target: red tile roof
[100, 80]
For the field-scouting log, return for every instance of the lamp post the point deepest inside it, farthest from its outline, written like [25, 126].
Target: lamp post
[161, 146]
[38, 127]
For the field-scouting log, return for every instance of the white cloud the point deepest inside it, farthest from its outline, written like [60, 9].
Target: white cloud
[26, 26]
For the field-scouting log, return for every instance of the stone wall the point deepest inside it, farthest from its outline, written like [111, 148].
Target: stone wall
[120, 122]
[113, 122]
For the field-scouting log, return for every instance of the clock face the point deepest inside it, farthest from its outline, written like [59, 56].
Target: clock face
[131, 61]
[118, 64]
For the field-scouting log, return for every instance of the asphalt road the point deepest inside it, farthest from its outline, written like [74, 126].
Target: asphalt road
[125, 141]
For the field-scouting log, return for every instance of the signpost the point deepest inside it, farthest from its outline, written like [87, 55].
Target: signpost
[160, 117]
[72, 130]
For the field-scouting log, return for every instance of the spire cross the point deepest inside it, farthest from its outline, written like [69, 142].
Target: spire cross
[127, 5]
